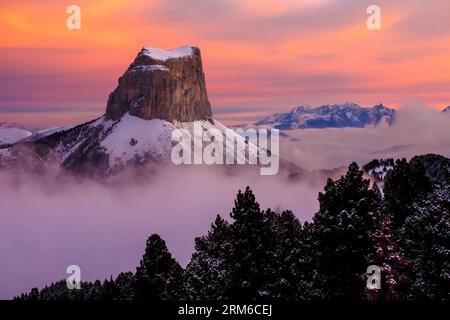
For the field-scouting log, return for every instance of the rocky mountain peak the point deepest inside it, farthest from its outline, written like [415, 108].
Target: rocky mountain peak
[162, 84]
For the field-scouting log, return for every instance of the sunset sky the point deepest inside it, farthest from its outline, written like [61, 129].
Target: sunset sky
[259, 56]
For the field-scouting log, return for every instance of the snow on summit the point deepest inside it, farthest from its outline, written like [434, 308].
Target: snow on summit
[163, 55]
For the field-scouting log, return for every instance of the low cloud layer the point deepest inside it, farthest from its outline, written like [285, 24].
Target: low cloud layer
[418, 131]
[46, 225]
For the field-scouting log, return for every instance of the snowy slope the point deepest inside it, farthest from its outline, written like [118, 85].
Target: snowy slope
[108, 146]
[49, 131]
[138, 140]
[12, 135]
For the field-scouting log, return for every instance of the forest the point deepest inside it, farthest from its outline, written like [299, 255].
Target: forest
[403, 227]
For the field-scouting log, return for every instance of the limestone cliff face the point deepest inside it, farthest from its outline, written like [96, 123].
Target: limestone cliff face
[162, 84]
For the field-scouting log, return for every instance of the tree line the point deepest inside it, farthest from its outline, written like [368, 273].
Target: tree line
[264, 254]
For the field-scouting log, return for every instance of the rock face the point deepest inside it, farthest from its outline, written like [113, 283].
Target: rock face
[168, 85]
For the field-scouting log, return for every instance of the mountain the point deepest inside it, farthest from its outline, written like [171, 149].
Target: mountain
[162, 90]
[168, 85]
[12, 132]
[330, 116]
[446, 110]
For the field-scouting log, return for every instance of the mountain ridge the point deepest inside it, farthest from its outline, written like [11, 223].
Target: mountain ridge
[330, 116]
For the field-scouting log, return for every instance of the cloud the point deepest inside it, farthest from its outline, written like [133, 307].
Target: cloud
[228, 20]
[48, 224]
[418, 131]
[427, 22]
[408, 55]
[319, 57]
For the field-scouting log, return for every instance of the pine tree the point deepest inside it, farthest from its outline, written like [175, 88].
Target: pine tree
[125, 286]
[262, 254]
[206, 275]
[425, 236]
[437, 167]
[109, 290]
[95, 292]
[341, 235]
[404, 184]
[158, 276]
[252, 250]
[34, 294]
[377, 191]
[292, 271]
[394, 266]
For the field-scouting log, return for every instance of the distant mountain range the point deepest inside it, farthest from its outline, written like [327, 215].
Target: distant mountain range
[446, 109]
[330, 116]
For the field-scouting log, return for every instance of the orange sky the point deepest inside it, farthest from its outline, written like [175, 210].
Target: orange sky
[260, 56]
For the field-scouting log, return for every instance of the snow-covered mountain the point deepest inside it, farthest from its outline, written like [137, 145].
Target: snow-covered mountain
[330, 116]
[104, 146]
[171, 96]
[12, 132]
[447, 110]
